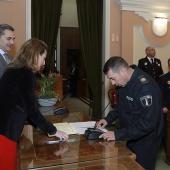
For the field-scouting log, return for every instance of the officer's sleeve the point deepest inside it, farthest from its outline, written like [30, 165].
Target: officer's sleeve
[140, 64]
[147, 118]
[160, 70]
[112, 116]
[161, 83]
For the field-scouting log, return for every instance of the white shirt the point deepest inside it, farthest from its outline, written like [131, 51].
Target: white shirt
[2, 53]
[150, 59]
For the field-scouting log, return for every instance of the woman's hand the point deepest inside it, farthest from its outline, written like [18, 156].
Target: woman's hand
[61, 135]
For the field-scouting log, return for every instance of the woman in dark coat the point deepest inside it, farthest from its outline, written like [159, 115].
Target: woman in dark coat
[18, 101]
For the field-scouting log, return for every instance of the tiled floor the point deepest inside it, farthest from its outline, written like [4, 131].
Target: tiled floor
[82, 107]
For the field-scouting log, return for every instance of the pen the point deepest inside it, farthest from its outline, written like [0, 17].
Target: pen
[59, 141]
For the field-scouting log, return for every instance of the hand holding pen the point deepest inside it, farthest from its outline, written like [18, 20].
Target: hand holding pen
[102, 123]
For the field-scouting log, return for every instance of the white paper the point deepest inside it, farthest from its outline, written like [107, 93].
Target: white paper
[82, 126]
[87, 124]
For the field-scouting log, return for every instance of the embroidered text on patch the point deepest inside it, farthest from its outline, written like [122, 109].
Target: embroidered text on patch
[146, 100]
[129, 98]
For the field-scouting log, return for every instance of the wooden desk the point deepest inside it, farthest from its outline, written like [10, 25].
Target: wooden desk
[168, 138]
[82, 154]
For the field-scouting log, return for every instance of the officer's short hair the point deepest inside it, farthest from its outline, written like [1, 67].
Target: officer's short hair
[115, 63]
[168, 62]
[4, 27]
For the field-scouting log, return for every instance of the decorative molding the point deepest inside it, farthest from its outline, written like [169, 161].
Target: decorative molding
[148, 9]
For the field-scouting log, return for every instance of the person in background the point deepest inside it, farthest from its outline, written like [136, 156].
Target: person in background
[7, 38]
[18, 101]
[150, 64]
[139, 110]
[164, 83]
[73, 79]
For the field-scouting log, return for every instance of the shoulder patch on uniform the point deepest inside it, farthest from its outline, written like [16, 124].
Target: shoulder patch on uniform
[146, 100]
[142, 79]
[158, 64]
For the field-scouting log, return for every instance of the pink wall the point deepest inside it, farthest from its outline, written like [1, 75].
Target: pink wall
[14, 14]
[129, 19]
[122, 22]
[115, 28]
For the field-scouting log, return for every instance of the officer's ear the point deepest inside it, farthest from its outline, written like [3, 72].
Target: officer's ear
[123, 71]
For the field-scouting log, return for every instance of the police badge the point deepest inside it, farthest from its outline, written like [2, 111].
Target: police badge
[142, 79]
[146, 100]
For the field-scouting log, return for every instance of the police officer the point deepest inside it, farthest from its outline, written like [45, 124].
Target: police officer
[139, 110]
[150, 64]
[164, 83]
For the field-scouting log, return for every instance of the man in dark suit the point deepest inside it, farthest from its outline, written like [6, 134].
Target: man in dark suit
[164, 83]
[150, 64]
[74, 78]
[7, 38]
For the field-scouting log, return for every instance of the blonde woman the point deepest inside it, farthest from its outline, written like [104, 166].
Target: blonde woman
[18, 101]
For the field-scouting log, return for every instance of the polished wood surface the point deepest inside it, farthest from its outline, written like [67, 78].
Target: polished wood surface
[168, 138]
[82, 154]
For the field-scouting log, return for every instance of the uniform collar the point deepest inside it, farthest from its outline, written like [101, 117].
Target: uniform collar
[131, 83]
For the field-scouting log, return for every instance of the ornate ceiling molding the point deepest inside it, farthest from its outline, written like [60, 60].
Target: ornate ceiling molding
[148, 9]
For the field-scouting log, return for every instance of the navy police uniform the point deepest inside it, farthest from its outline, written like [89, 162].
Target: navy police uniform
[154, 70]
[164, 84]
[140, 115]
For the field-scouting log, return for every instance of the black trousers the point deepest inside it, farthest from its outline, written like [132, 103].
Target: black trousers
[73, 88]
[146, 153]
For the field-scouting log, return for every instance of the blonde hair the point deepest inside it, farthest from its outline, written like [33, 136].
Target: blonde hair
[28, 55]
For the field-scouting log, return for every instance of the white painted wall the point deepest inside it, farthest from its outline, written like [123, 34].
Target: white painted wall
[69, 14]
[140, 43]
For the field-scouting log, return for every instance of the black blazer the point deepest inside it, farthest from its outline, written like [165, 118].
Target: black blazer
[74, 74]
[154, 70]
[18, 103]
[164, 83]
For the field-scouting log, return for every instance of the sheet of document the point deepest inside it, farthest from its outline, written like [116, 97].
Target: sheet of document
[87, 124]
[65, 127]
[82, 126]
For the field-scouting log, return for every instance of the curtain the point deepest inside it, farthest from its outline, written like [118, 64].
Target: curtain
[45, 18]
[90, 18]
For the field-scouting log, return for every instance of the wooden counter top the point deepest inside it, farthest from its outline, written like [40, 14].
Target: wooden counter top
[86, 154]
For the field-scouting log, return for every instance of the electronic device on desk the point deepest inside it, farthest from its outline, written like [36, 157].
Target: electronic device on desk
[61, 110]
[92, 133]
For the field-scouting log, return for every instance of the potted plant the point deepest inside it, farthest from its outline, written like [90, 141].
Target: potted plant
[46, 95]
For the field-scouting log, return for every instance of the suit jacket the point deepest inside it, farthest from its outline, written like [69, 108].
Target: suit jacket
[154, 70]
[18, 103]
[164, 83]
[74, 74]
[3, 63]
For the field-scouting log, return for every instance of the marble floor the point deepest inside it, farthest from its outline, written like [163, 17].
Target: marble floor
[78, 105]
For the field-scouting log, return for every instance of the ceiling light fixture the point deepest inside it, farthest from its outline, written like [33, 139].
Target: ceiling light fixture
[159, 26]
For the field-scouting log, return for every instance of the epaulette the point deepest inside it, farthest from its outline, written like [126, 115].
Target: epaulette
[143, 79]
